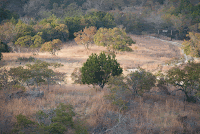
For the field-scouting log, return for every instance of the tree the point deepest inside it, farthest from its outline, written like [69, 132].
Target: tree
[98, 69]
[114, 39]
[23, 29]
[3, 47]
[24, 41]
[192, 47]
[188, 78]
[52, 46]
[38, 72]
[74, 24]
[86, 36]
[7, 32]
[140, 81]
[122, 89]
[37, 40]
[62, 32]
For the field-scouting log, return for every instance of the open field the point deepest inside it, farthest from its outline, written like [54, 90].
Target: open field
[153, 113]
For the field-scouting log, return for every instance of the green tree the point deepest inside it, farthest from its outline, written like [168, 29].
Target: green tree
[187, 79]
[37, 40]
[52, 46]
[62, 32]
[192, 47]
[38, 72]
[23, 29]
[75, 25]
[98, 69]
[114, 39]
[24, 41]
[122, 89]
[140, 81]
[86, 36]
[3, 47]
[118, 91]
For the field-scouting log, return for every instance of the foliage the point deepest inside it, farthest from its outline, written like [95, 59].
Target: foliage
[37, 40]
[22, 122]
[113, 39]
[99, 19]
[188, 78]
[24, 41]
[61, 121]
[122, 89]
[38, 71]
[52, 28]
[62, 32]
[23, 29]
[3, 47]
[118, 91]
[86, 36]
[6, 14]
[76, 76]
[52, 46]
[30, 59]
[140, 81]
[192, 47]
[75, 24]
[98, 69]
[7, 32]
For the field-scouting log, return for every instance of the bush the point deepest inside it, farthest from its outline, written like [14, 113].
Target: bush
[98, 69]
[3, 47]
[140, 81]
[76, 76]
[123, 89]
[187, 79]
[192, 47]
[30, 59]
[61, 121]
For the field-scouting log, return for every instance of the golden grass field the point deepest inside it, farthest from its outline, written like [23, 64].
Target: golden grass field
[152, 113]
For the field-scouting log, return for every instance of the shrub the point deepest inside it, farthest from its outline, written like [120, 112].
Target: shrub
[61, 121]
[140, 81]
[30, 59]
[76, 76]
[192, 47]
[188, 78]
[98, 69]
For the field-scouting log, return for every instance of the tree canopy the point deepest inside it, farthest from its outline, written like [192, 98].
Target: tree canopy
[187, 78]
[99, 68]
[86, 36]
[114, 39]
[52, 46]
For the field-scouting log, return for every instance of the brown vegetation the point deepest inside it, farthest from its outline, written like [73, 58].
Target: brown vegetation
[155, 112]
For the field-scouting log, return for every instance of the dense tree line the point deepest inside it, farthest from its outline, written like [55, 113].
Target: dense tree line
[37, 22]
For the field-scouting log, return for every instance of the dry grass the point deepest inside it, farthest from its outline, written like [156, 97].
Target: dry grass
[151, 113]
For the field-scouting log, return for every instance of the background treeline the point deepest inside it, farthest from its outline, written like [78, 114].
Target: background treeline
[31, 23]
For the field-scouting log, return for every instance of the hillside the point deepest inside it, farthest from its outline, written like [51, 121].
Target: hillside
[154, 112]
